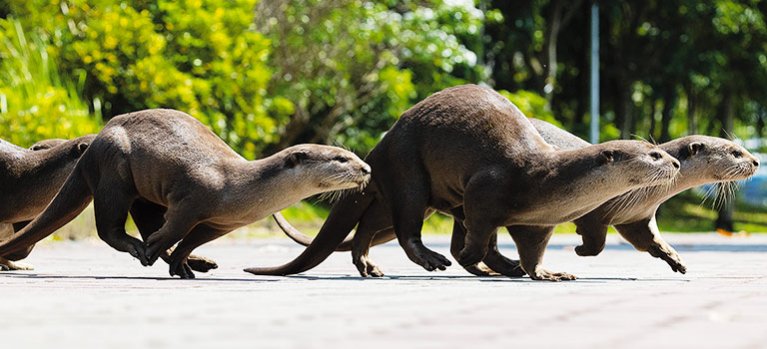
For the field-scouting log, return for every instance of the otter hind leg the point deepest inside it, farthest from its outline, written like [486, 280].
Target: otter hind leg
[593, 234]
[409, 189]
[8, 265]
[111, 204]
[149, 218]
[531, 243]
[644, 235]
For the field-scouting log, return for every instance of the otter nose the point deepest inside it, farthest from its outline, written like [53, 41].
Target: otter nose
[755, 162]
[365, 169]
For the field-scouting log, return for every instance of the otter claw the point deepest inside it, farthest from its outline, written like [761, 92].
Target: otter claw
[546, 275]
[480, 269]
[201, 264]
[367, 268]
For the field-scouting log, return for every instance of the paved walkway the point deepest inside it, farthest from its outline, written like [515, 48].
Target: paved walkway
[85, 295]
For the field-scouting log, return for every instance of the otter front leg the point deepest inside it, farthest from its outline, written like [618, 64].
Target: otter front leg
[594, 234]
[375, 220]
[531, 243]
[179, 259]
[494, 262]
[457, 242]
[179, 223]
[149, 218]
[644, 236]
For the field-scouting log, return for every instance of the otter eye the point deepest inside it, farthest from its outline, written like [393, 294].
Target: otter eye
[737, 154]
[340, 159]
[655, 155]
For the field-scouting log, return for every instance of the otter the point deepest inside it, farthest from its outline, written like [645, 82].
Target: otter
[29, 179]
[703, 159]
[465, 151]
[182, 184]
[48, 169]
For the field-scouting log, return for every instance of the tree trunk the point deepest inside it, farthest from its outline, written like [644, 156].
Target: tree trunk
[669, 101]
[692, 121]
[724, 220]
[625, 118]
[551, 50]
[653, 107]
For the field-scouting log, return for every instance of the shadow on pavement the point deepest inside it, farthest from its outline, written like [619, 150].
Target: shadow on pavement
[145, 278]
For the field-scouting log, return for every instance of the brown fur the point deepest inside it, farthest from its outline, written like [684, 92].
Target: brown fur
[703, 160]
[183, 183]
[28, 182]
[465, 151]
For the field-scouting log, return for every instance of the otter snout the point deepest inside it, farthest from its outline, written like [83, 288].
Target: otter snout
[365, 168]
[668, 165]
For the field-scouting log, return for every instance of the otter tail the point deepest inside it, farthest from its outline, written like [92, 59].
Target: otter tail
[72, 199]
[303, 239]
[343, 217]
[296, 235]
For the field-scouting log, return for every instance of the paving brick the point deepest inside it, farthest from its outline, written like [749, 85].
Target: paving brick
[87, 295]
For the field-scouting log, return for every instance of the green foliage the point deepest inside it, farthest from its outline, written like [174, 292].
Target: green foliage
[532, 105]
[35, 102]
[202, 57]
[351, 67]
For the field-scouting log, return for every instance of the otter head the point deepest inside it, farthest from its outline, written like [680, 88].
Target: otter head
[327, 168]
[711, 159]
[47, 144]
[641, 163]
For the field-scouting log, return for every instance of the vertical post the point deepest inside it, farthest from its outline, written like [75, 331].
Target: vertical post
[594, 72]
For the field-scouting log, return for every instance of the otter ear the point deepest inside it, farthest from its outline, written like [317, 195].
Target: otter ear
[694, 147]
[295, 158]
[37, 147]
[82, 147]
[607, 156]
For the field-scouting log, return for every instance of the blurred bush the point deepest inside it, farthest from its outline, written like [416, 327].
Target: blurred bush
[202, 57]
[35, 102]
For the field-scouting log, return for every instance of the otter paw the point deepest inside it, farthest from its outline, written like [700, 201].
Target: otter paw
[471, 256]
[181, 269]
[9, 266]
[670, 257]
[201, 264]
[513, 269]
[546, 275]
[367, 268]
[675, 263]
[151, 254]
[138, 251]
[480, 269]
[585, 250]
[430, 260]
